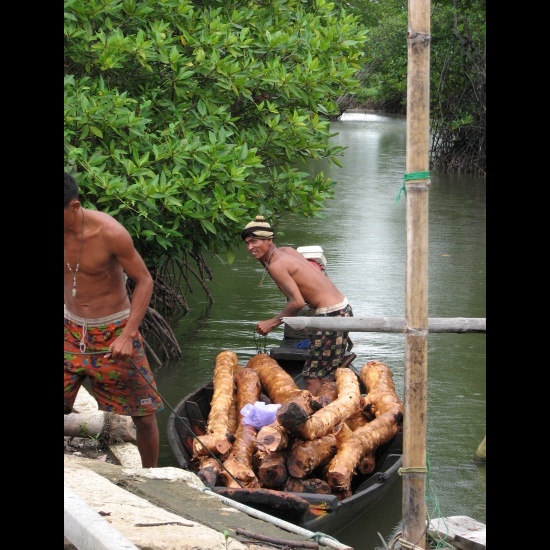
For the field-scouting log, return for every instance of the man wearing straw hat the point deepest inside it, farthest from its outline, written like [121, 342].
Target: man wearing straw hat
[302, 284]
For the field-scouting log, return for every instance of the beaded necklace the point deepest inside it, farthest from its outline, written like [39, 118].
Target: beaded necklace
[78, 260]
[266, 265]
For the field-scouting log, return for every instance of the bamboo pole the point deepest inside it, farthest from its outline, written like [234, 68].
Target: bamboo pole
[417, 184]
[384, 324]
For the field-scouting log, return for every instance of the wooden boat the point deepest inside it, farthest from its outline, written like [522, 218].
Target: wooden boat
[324, 513]
[312, 511]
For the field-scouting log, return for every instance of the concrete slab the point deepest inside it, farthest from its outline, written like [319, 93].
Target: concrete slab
[85, 528]
[126, 454]
[134, 518]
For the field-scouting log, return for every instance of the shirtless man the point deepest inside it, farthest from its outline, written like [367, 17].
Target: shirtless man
[302, 284]
[102, 340]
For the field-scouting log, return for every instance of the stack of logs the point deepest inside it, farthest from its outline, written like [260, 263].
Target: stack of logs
[315, 445]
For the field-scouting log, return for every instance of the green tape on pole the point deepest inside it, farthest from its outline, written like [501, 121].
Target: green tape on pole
[409, 177]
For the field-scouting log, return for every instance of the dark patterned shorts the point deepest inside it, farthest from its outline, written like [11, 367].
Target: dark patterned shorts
[327, 349]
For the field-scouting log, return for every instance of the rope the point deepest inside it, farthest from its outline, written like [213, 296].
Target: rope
[433, 543]
[412, 546]
[413, 470]
[410, 177]
[257, 343]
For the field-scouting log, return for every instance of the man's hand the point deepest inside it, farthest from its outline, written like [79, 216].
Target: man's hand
[265, 327]
[121, 348]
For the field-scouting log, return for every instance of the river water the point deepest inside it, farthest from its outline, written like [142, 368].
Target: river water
[363, 237]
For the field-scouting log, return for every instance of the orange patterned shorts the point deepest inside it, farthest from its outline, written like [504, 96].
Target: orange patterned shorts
[122, 387]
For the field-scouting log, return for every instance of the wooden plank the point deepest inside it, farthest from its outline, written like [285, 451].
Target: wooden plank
[463, 532]
[385, 324]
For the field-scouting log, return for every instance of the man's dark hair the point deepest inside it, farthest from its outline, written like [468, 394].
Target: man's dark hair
[71, 189]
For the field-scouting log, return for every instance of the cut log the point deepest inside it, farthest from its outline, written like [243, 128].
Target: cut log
[215, 440]
[276, 500]
[362, 441]
[326, 393]
[238, 471]
[305, 456]
[354, 446]
[271, 469]
[367, 463]
[381, 397]
[277, 383]
[209, 470]
[271, 438]
[347, 403]
[111, 427]
[294, 413]
[309, 485]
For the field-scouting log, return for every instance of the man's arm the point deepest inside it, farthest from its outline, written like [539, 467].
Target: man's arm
[134, 266]
[295, 301]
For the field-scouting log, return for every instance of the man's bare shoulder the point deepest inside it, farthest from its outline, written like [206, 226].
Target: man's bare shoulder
[105, 223]
[290, 251]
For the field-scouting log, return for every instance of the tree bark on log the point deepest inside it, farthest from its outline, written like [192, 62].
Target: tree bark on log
[271, 438]
[278, 384]
[326, 393]
[305, 456]
[309, 485]
[283, 502]
[347, 403]
[354, 446]
[271, 469]
[209, 470]
[238, 471]
[357, 419]
[113, 428]
[215, 440]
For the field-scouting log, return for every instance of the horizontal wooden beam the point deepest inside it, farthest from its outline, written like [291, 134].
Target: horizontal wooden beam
[385, 324]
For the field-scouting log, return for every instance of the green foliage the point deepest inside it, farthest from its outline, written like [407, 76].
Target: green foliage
[184, 120]
[458, 90]
[385, 74]
[457, 74]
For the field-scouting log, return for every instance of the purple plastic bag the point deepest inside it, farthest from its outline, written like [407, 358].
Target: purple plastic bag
[259, 414]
